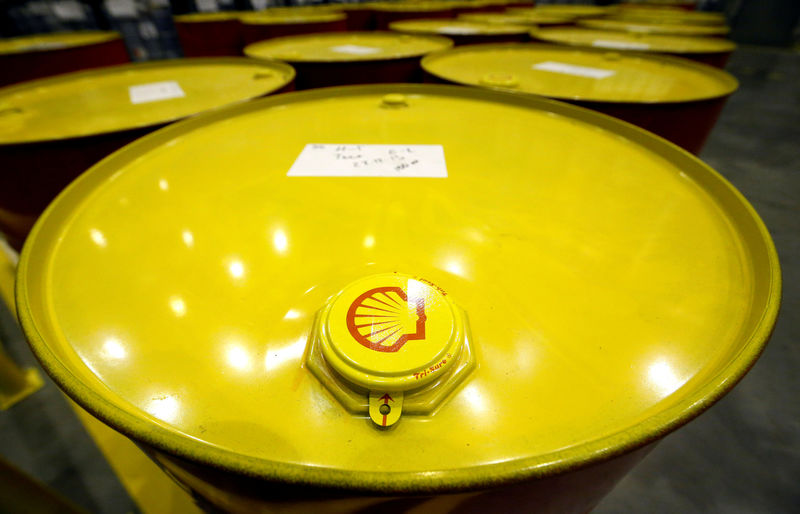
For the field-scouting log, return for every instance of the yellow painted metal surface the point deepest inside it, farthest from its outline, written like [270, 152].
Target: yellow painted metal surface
[203, 17]
[516, 19]
[566, 11]
[614, 284]
[287, 17]
[44, 42]
[411, 6]
[347, 46]
[656, 28]
[368, 332]
[583, 37]
[585, 74]
[679, 17]
[101, 101]
[455, 27]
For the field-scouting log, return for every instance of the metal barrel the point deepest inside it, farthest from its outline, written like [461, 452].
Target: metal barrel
[210, 34]
[677, 99]
[398, 297]
[52, 130]
[32, 57]
[707, 50]
[336, 59]
[463, 32]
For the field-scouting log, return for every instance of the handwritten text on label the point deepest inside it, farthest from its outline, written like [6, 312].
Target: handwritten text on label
[349, 160]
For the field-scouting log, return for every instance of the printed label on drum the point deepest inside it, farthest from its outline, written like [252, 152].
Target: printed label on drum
[337, 160]
[207, 5]
[621, 45]
[69, 10]
[155, 92]
[572, 69]
[121, 8]
[355, 49]
[456, 31]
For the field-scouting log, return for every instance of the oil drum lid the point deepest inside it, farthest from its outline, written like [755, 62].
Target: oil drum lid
[411, 6]
[568, 11]
[634, 41]
[455, 28]
[290, 17]
[516, 19]
[656, 28]
[55, 41]
[580, 74]
[679, 16]
[131, 96]
[247, 287]
[347, 47]
[206, 17]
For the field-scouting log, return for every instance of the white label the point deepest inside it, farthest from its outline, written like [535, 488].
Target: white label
[69, 10]
[458, 30]
[121, 8]
[622, 45]
[206, 5]
[326, 160]
[355, 49]
[571, 69]
[155, 92]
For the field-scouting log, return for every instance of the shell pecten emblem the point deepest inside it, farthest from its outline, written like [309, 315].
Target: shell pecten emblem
[389, 334]
[383, 319]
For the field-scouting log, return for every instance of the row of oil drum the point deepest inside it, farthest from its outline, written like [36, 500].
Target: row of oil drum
[226, 33]
[386, 297]
[675, 98]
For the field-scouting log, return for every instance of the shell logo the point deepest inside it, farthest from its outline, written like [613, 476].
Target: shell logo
[382, 319]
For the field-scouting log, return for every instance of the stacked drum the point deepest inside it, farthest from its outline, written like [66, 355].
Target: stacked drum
[470, 279]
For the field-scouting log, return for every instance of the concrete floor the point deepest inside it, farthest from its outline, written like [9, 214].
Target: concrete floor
[741, 456]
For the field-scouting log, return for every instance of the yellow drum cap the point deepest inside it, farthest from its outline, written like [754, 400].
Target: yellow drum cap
[391, 332]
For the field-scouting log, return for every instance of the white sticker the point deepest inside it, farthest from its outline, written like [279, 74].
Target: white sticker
[458, 30]
[206, 5]
[332, 160]
[69, 10]
[355, 49]
[121, 8]
[155, 92]
[571, 69]
[622, 45]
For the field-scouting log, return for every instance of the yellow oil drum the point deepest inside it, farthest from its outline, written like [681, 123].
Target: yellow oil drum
[335, 59]
[564, 10]
[463, 32]
[51, 130]
[261, 25]
[475, 6]
[667, 29]
[530, 20]
[360, 16]
[678, 99]
[32, 57]
[707, 50]
[659, 5]
[360, 299]
[212, 34]
[677, 17]
[387, 12]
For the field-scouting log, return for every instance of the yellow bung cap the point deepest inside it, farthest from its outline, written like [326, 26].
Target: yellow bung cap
[391, 332]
